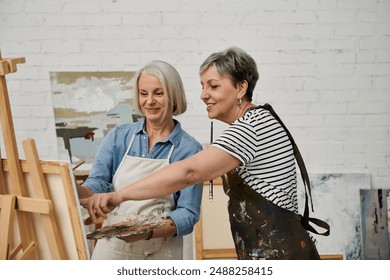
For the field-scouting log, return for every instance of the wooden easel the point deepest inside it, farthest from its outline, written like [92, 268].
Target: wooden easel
[15, 201]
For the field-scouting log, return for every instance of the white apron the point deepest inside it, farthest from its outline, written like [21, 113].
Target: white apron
[130, 170]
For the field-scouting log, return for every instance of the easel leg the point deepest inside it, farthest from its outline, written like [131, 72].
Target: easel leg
[7, 210]
[16, 177]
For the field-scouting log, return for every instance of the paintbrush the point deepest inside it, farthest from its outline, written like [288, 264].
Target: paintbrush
[211, 183]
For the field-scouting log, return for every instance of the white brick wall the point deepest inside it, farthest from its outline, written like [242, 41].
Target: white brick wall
[324, 65]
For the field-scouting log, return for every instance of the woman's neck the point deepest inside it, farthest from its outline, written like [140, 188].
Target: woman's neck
[243, 108]
[158, 131]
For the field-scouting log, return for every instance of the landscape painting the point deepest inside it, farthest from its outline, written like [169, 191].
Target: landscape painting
[87, 105]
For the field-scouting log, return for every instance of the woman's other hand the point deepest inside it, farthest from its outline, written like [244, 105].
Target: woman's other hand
[99, 205]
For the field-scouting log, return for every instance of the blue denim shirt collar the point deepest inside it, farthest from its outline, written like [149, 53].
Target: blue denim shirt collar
[174, 137]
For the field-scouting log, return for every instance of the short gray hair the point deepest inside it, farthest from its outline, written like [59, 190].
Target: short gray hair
[172, 83]
[236, 64]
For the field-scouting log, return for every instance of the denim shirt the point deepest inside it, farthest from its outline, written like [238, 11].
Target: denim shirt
[114, 147]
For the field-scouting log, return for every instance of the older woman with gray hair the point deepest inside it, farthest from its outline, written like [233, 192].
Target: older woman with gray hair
[132, 151]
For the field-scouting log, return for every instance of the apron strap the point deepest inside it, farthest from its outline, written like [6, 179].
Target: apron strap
[123, 158]
[297, 154]
[305, 219]
[130, 143]
[170, 152]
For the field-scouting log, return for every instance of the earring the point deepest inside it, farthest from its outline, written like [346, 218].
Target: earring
[239, 102]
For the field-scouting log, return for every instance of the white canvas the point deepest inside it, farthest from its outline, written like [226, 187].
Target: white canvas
[336, 199]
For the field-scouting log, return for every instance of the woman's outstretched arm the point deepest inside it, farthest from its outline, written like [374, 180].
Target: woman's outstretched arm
[206, 165]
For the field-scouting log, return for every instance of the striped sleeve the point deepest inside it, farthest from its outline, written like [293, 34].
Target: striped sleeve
[265, 151]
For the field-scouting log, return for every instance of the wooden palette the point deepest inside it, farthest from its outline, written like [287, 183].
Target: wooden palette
[132, 226]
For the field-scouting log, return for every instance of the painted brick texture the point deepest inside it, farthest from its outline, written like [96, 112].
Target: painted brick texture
[324, 65]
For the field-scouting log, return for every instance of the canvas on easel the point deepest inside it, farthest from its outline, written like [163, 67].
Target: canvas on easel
[62, 194]
[39, 212]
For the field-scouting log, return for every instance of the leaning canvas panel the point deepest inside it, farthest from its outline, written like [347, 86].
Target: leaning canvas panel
[213, 238]
[215, 226]
[336, 199]
[375, 230]
[62, 191]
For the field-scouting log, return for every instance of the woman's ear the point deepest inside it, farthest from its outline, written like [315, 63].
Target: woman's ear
[242, 87]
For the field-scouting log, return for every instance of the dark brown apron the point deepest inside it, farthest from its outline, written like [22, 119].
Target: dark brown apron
[263, 230]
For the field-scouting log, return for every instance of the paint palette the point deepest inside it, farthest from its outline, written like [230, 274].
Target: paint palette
[132, 226]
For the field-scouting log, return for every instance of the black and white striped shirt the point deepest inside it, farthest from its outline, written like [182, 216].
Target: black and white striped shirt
[266, 154]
